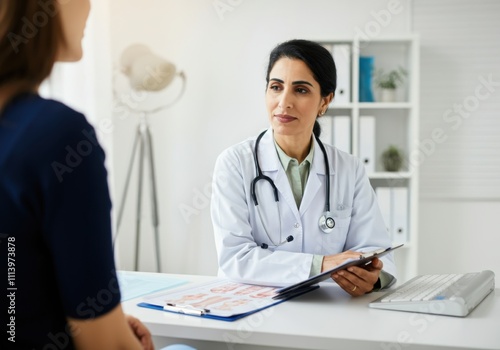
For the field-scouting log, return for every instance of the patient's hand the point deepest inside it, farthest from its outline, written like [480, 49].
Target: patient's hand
[141, 332]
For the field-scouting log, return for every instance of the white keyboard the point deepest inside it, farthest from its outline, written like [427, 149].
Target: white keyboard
[451, 294]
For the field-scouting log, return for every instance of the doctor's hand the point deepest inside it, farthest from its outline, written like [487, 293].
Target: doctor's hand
[355, 280]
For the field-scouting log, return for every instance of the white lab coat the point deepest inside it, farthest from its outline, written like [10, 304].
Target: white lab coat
[239, 231]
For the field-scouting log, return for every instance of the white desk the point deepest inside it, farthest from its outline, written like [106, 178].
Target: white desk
[326, 318]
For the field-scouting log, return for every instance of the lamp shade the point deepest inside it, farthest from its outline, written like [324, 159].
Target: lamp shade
[146, 71]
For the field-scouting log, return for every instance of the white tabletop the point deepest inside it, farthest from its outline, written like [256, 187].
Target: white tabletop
[329, 318]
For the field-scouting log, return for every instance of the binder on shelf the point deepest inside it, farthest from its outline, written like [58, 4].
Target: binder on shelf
[326, 123]
[367, 142]
[384, 202]
[400, 215]
[342, 56]
[342, 133]
[365, 78]
[393, 204]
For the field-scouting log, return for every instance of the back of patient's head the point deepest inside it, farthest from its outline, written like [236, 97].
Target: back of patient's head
[30, 36]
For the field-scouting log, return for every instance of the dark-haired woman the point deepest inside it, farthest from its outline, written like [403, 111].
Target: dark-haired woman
[55, 229]
[272, 220]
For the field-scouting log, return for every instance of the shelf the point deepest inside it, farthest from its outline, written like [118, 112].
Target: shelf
[372, 105]
[333, 105]
[366, 129]
[390, 175]
[399, 39]
[385, 105]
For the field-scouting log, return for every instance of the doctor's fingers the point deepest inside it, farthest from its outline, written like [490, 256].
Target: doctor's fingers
[369, 275]
[352, 283]
[348, 286]
[376, 264]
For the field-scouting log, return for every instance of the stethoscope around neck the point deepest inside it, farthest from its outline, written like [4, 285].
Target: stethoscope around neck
[326, 222]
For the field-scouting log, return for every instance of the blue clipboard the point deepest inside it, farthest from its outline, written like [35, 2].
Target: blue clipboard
[206, 313]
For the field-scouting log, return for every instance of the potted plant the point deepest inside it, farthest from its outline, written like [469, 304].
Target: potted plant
[392, 158]
[388, 82]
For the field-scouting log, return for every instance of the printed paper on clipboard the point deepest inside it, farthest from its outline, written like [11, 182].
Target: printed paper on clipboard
[224, 299]
[364, 259]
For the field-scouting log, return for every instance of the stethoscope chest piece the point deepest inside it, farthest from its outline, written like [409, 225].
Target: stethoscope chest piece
[326, 222]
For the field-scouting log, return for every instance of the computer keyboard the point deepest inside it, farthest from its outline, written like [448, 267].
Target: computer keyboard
[443, 294]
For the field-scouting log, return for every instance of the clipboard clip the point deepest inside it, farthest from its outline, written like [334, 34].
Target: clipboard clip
[378, 251]
[372, 253]
[185, 309]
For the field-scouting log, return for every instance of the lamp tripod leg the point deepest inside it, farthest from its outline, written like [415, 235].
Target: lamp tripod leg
[154, 198]
[127, 183]
[139, 200]
[144, 145]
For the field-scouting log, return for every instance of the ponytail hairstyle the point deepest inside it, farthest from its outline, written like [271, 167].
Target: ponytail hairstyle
[316, 57]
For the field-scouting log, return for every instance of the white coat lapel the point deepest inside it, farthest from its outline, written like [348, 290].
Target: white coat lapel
[271, 166]
[316, 180]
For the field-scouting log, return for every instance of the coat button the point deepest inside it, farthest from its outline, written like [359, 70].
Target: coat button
[296, 225]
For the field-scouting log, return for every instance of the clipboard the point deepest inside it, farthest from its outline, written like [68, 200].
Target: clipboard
[207, 300]
[364, 259]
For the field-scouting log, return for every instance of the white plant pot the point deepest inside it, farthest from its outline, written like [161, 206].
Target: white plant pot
[388, 95]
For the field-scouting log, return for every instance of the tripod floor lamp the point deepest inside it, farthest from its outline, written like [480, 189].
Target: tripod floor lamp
[147, 73]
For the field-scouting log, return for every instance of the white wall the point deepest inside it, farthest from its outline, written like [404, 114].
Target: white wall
[459, 176]
[224, 57]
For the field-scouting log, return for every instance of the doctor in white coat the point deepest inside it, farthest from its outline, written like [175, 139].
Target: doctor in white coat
[276, 235]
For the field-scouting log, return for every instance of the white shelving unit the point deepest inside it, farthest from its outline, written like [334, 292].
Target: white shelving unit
[396, 123]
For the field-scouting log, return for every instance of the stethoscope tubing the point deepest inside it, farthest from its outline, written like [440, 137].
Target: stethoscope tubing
[326, 222]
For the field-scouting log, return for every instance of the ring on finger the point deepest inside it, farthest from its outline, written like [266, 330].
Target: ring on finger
[352, 290]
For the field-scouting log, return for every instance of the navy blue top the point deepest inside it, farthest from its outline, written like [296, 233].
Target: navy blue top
[55, 225]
